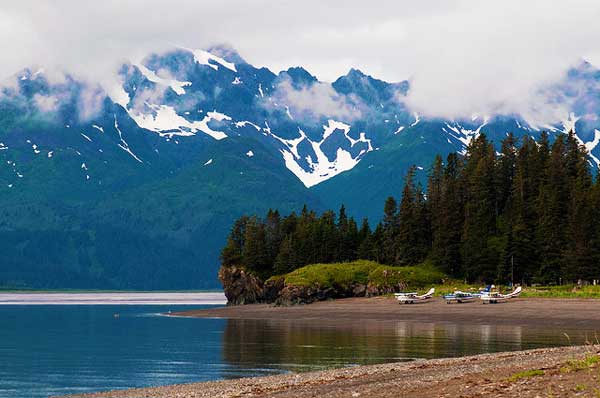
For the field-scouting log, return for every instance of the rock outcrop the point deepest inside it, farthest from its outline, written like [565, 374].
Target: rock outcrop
[245, 287]
[241, 286]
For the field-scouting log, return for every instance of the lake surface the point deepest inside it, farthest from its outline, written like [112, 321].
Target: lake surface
[60, 349]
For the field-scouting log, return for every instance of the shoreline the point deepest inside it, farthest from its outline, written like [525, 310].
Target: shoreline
[581, 314]
[519, 373]
[493, 374]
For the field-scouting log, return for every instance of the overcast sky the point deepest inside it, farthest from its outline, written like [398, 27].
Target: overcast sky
[461, 56]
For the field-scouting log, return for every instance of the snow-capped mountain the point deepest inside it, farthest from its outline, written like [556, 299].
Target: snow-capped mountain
[103, 185]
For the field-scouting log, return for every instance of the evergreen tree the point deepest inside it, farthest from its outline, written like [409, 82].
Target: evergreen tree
[255, 253]
[273, 234]
[286, 260]
[480, 259]
[505, 171]
[232, 252]
[436, 209]
[389, 231]
[451, 218]
[412, 239]
[552, 208]
[366, 243]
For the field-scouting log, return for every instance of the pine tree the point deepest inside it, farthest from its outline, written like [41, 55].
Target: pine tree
[480, 259]
[343, 250]
[411, 241]
[436, 209]
[286, 260]
[552, 208]
[367, 246]
[255, 254]
[232, 252]
[451, 218]
[273, 234]
[389, 231]
[505, 171]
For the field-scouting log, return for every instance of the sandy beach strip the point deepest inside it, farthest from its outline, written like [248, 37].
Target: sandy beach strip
[569, 314]
[113, 298]
[496, 375]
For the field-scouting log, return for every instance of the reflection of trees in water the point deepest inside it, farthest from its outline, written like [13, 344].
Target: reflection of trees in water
[303, 345]
[295, 345]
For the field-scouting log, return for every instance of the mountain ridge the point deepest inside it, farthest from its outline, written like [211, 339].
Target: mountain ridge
[194, 139]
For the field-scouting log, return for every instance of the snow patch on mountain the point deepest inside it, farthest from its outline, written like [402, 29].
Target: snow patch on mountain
[123, 144]
[463, 134]
[245, 123]
[168, 123]
[417, 119]
[204, 57]
[175, 85]
[321, 168]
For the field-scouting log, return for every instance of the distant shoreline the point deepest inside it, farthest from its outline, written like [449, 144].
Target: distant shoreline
[113, 298]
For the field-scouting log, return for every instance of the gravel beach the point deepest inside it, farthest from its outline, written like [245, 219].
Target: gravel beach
[493, 375]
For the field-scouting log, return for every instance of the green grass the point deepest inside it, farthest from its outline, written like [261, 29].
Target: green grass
[364, 272]
[421, 276]
[525, 375]
[563, 291]
[576, 365]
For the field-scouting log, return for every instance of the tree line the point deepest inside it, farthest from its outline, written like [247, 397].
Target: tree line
[528, 213]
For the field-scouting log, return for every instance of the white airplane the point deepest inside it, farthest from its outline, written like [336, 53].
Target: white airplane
[411, 298]
[461, 297]
[496, 297]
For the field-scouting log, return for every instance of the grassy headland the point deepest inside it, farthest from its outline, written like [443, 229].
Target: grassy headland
[363, 272]
[411, 278]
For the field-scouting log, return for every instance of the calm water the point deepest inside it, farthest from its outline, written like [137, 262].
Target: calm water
[48, 349]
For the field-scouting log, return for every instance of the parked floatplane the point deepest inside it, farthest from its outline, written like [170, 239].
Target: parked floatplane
[487, 296]
[496, 297]
[466, 297]
[414, 297]
[461, 297]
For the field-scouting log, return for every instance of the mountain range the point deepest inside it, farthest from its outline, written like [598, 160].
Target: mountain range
[136, 186]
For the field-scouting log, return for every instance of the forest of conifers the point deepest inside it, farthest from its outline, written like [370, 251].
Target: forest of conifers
[528, 213]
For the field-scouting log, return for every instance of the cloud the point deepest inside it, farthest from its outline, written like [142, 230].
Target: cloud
[461, 56]
[310, 102]
[89, 102]
[46, 103]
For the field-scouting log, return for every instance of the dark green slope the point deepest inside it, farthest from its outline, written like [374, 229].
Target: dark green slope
[162, 233]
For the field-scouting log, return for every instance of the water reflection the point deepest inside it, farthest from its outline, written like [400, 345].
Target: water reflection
[53, 350]
[299, 345]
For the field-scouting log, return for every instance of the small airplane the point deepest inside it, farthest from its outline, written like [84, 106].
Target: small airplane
[461, 297]
[495, 297]
[411, 298]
